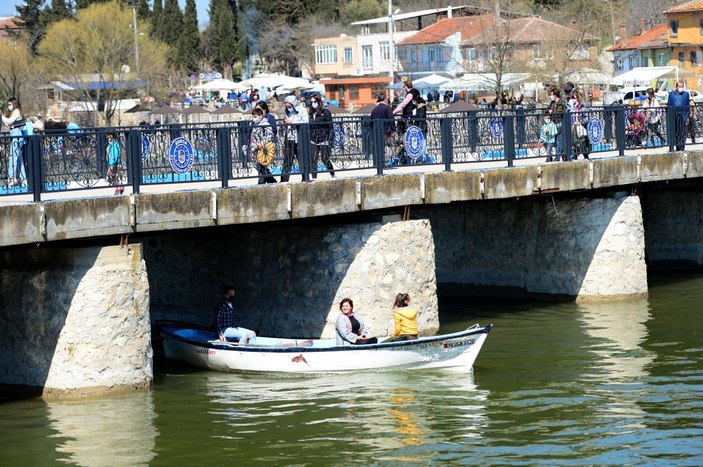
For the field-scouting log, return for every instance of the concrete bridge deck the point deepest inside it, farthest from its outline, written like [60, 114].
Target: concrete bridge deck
[209, 206]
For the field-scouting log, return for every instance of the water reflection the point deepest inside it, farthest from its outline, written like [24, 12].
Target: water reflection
[618, 330]
[402, 415]
[118, 430]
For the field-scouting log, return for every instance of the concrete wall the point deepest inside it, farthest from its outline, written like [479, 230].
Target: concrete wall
[674, 226]
[75, 321]
[586, 249]
[291, 278]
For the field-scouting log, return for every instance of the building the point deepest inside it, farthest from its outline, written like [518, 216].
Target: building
[355, 67]
[685, 39]
[648, 48]
[9, 24]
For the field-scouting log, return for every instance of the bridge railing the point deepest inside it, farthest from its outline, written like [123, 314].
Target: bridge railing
[75, 160]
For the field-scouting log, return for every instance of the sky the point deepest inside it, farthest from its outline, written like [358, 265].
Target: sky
[7, 8]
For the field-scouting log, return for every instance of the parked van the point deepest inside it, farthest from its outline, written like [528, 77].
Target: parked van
[626, 94]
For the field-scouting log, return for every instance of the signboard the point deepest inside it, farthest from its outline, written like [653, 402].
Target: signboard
[180, 155]
[414, 143]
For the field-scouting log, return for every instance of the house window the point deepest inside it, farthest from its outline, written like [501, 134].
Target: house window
[471, 54]
[661, 59]
[431, 55]
[682, 59]
[536, 51]
[353, 93]
[645, 61]
[674, 27]
[618, 64]
[696, 56]
[385, 50]
[367, 56]
[325, 54]
[415, 54]
[700, 26]
[633, 61]
[348, 56]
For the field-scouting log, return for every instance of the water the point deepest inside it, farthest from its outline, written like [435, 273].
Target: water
[568, 384]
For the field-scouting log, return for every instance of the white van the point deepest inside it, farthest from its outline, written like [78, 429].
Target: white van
[626, 94]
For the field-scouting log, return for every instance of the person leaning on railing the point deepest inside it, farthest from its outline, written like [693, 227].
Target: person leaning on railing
[678, 102]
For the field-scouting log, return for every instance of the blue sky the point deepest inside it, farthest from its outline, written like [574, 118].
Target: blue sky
[7, 8]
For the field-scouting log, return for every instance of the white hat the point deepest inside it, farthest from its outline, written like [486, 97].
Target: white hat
[290, 99]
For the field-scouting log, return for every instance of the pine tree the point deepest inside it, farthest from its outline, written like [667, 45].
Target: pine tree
[156, 18]
[30, 15]
[171, 23]
[143, 12]
[189, 41]
[228, 46]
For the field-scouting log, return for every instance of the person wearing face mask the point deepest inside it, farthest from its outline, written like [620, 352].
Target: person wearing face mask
[262, 147]
[679, 102]
[320, 135]
[15, 122]
[557, 109]
[294, 117]
[224, 323]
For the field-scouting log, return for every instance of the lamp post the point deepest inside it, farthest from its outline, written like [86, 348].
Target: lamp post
[390, 32]
[133, 6]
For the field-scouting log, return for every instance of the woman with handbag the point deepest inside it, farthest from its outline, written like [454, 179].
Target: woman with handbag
[579, 123]
[16, 173]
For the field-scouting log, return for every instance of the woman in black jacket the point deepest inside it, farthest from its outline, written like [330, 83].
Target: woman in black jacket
[320, 135]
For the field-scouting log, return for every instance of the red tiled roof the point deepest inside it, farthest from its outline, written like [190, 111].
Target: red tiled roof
[694, 5]
[468, 26]
[527, 30]
[650, 39]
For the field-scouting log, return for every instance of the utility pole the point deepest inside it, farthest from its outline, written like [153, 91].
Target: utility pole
[392, 45]
[133, 5]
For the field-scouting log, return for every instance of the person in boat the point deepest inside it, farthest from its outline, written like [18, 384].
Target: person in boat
[224, 323]
[405, 319]
[350, 327]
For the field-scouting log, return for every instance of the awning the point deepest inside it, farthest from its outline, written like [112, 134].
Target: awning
[643, 76]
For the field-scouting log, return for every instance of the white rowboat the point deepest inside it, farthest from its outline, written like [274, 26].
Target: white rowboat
[199, 346]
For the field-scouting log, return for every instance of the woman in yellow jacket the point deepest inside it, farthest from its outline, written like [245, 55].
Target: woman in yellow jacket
[405, 318]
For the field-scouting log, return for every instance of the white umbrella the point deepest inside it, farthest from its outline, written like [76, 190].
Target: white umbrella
[272, 81]
[221, 84]
[431, 81]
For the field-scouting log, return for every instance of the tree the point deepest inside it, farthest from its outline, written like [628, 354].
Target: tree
[171, 23]
[188, 49]
[156, 17]
[359, 10]
[95, 47]
[30, 15]
[16, 68]
[58, 10]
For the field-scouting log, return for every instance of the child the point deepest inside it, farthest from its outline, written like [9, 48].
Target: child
[405, 319]
[114, 162]
[548, 136]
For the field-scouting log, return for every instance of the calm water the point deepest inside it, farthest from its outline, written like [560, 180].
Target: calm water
[566, 384]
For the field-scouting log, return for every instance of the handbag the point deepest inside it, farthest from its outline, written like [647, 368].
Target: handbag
[266, 153]
[580, 130]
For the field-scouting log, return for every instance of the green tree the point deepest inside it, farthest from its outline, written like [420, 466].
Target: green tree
[156, 16]
[143, 12]
[31, 15]
[188, 49]
[58, 10]
[171, 23]
[95, 47]
[228, 53]
[16, 68]
[358, 10]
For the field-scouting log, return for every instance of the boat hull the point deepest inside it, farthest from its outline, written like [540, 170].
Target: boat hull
[198, 347]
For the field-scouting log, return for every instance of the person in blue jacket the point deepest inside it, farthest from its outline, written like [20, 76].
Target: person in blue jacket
[678, 103]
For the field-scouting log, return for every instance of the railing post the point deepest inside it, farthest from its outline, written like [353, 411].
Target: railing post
[445, 127]
[378, 146]
[134, 159]
[34, 164]
[509, 138]
[304, 155]
[620, 130]
[224, 155]
[520, 122]
[671, 128]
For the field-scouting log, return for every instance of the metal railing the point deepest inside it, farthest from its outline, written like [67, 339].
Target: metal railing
[226, 152]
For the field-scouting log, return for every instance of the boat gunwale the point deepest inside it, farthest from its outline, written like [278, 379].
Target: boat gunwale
[230, 346]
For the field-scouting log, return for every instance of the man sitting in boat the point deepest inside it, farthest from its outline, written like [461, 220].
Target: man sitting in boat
[405, 319]
[350, 327]
[223, 321]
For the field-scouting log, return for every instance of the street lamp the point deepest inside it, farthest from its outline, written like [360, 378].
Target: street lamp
[133, 5]
[391, 26]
